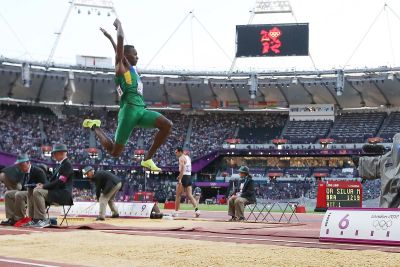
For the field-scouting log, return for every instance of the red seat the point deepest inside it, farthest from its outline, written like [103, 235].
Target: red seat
[169, 205]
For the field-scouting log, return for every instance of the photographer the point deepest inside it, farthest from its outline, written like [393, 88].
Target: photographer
[383, 166]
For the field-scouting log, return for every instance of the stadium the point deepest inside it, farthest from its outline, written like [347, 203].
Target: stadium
[314, 137]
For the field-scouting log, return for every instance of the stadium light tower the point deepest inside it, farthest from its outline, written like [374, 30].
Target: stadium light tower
[92, 5]
[253, 83]
[26, 74]
[339, 86]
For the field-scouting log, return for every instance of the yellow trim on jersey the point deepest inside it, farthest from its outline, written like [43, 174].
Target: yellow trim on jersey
[128, 77]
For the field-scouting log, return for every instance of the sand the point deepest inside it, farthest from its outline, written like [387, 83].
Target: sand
[95, 248]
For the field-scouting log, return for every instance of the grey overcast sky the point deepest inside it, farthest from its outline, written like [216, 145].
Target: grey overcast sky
[336, 28]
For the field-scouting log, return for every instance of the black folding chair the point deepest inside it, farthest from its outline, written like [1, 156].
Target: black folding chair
[68, 203]
[268, 207]
[257, 210]
[253, 208]
[289, 210]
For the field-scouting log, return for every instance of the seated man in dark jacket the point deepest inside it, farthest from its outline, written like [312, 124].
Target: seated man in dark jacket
[243, 197]
[107, 186]
[12, 177]
[57, 191]
[16, 200]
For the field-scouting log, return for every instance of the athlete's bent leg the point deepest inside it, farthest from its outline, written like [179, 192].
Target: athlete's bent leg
[112, 148]
[164, 126]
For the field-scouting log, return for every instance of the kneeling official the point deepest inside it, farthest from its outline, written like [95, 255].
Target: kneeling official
[107, 186]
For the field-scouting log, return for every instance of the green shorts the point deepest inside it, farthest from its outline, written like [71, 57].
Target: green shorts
[129, 117]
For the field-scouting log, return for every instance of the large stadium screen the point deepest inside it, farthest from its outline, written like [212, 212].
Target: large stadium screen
[272, 40]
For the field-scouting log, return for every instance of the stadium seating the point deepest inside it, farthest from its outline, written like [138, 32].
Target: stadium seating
[259, 129]
[356, 127]
[206, 133]
[306, 132]
[27, 128]
[390, 127]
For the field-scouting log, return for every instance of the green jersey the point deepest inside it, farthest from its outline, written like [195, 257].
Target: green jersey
[130, 88]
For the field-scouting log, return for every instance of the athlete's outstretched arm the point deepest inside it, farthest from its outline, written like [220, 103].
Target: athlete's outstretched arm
[120, 42]
[109, 37]
[106, 34]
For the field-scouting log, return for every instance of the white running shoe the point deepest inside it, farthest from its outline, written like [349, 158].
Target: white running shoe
[197, 213]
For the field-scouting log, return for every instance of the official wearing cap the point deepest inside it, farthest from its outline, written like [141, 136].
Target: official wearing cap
[59, 188]
[243, 197]
[15, 200]
[12, 177]
[107, 186]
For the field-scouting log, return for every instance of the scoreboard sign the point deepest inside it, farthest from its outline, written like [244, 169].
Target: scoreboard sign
[361, 225]
[338, 194]
[272, 40]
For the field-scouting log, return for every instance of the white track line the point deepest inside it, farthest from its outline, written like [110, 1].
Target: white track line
[27, 263]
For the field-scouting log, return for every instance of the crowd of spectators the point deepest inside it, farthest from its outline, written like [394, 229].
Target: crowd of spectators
[26, 131]
[371, 189]
[275, 190]
[19, 132]
[260, 129]
[165, 190]
[28, 128]
[210, 131]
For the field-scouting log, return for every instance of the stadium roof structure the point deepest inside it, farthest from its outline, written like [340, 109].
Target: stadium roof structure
[269, 91]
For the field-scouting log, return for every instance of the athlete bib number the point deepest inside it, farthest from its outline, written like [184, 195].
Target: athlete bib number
[188, 168]
[139, 82]
[140, 87]
[119, 91]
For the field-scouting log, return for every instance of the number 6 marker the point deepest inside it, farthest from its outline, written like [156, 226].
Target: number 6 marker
[344, 223]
